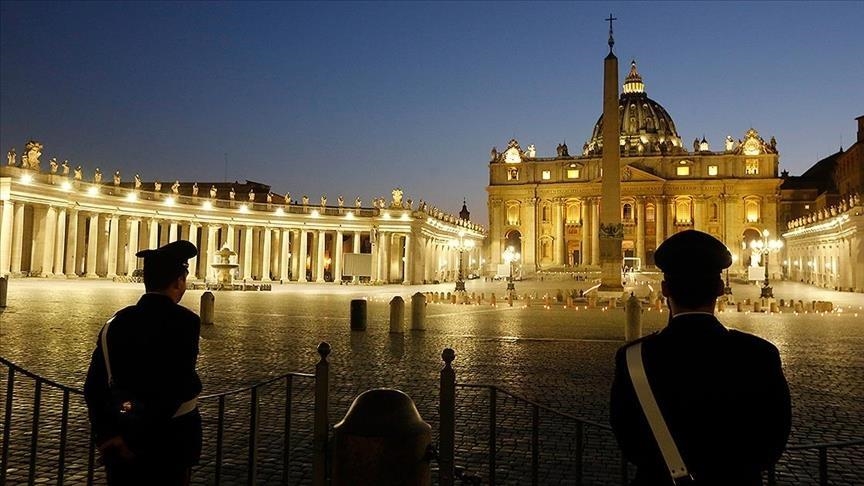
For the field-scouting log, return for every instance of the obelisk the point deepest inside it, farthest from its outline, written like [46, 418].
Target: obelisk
[611, 229]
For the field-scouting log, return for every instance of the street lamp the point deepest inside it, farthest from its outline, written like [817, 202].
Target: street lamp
[764, 247]
[727, 290]
[510, 257]
[461, 245]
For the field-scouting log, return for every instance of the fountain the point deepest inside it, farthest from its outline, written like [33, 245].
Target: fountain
[224, 269]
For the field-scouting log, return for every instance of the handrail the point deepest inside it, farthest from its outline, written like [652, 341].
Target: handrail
[30, 374]
[256, 385]
[827, 445]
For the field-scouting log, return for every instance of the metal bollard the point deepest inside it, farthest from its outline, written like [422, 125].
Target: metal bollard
[633, 308]
[418, 312]
[510, 299]
[757, 306]
[774, 308]
[4, 286]
[492, 300]
[358, 315]
[397, 315]
[382, 440]
[208, 304]
[740, 307]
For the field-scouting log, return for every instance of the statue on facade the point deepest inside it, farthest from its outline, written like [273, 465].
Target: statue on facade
[157, 186]
[175, 188]
[34, 150]
[408, 203]
[97, 176]
[287, 198]
[493, 155]
[730, 143]
[532, 151]
[24, 163]
[212, 192]
[323, 200]
[397, 198]
[231, 193]
[773, 144]
[251, 195]
[358, 203]
[65, 167]
[79, 173]
[11, 157]
[53, 165]
[695, 144]
[305, 200]
[340, 201]
[195, 189]
[269, 198]
[116, 177]
[137, 182]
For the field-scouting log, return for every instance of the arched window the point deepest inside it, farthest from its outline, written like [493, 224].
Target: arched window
[682, 211]
[715, 212]
[751, 210]
[513, 214]
[546, 248]
[627, 212]
[546, 213]
[573, 211]
[649, 213]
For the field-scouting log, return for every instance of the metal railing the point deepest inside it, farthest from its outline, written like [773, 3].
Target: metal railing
[822, 449]
[88, 470]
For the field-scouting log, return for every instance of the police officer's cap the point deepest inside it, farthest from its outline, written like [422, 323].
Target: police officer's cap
[692, 252]
[173, 254]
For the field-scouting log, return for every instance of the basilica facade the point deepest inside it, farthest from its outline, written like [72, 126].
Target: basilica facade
[547, 208]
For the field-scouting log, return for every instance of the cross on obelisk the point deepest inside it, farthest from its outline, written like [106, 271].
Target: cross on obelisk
[611, 229]
[611, 39]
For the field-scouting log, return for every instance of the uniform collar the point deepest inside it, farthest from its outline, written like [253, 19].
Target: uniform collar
[694, 321]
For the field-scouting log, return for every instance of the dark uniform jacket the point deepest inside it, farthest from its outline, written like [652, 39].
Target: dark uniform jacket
[153, 348]
[724, 398]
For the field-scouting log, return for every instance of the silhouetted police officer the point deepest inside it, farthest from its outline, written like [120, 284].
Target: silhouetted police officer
[146, 423]
[721, 392]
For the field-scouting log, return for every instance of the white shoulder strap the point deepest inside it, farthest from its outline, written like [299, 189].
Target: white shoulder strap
[105, 350]
[652, 413]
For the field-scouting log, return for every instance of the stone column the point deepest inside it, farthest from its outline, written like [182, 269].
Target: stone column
[59, 243]
[337, 258]
[17, 239]
[153, 234]
[48, 243]
[356, 249]
[211, 251]
[585, 250]
[247, 252]
[172, 232]
[265, 258]
[132, 261]
[640, 230]
[558, 247]
[6, 237]
[301, 260]
[319, 256]
[72, 244]
[229, 238]
[193, 238]
[595, 232]
[660, 219]
[93, 246]
[407, 277]
[384, 257]
[295, 255]
[285, 259]
[113, 241]
[699, 213]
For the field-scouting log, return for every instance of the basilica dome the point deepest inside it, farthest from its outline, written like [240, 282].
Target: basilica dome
[646, 127]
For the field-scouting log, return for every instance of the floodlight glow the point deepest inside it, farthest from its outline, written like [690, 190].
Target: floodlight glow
[207, 205]
[280, 211]
[169, 201]
[93, 190]
[26, 179]
[244, 208]
[315, 213]
[66, 186]
[131, 197]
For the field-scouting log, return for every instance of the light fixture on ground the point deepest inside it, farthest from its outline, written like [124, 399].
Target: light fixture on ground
[763, 247]
[462, 245]
[511, 256]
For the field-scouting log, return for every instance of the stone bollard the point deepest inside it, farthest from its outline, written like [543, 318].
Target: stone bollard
[547, 301]
[473, 298]
[449, 297]
[798, 307]
[454, 298]
[559, 296]
[633, 308]
[397, 315]
[613, 302]
[482, 298]
[492, 300]
[782, 303]
[774, 307]
[4, 286]
[510, 299]
[418, 312]
[721, 305]
[757, 306]
[208, 303]
[382, 440]
[358, 315]
[527, 300]
[740, 307]
[569, 301]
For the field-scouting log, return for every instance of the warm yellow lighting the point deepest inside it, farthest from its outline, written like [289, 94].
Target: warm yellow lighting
[26, 179]
[713, 170]
[280, 212]
[93, 190]
[169, 201]
[131, 197]
[469, 244]
[385, 215]
[66, 186]
[244, 208]
[207, 205]
[350, 215]
[315, 213]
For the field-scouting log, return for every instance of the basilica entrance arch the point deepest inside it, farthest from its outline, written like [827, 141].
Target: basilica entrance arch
[513, 238]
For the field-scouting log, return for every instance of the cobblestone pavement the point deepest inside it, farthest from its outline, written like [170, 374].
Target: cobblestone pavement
[560, 358]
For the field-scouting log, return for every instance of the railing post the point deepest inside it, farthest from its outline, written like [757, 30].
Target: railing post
[34, 433]
[286, 431]
[64, 424]
[252, 457]
[7, 424]
[447, 417]
[493, 436]
[319, 432]
[535, 445]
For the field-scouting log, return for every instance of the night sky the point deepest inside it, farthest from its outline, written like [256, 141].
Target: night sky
[357, 98]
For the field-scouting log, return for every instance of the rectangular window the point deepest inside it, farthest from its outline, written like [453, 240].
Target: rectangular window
[572, 173]
[546, 175]
[513, 174]
[712, 170]
[752, 167]
[683, 170]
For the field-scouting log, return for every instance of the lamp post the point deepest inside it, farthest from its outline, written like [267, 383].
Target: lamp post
[461, 245]
[727, 290]
[510, 257]
[764, 247]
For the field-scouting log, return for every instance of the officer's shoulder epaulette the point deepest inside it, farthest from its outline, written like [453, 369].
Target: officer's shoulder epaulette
[644, 338]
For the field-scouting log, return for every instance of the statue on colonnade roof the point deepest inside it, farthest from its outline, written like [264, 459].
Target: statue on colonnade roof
[137, 181]
[34, 150]
[65, 167]
[53, 165]
[397, 198]
[79, 173]
[195, 189]
[358, 203]
[175, 188]
[212, 192]
[11, 157]
[97, 176]
[340, 201]
[116, 177]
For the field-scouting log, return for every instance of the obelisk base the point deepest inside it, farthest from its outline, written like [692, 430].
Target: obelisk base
[610, 265]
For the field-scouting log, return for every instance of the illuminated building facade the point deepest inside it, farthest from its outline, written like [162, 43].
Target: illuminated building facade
[53, 223]
[547, 208]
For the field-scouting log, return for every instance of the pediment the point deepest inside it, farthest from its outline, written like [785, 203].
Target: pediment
[633, 174]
